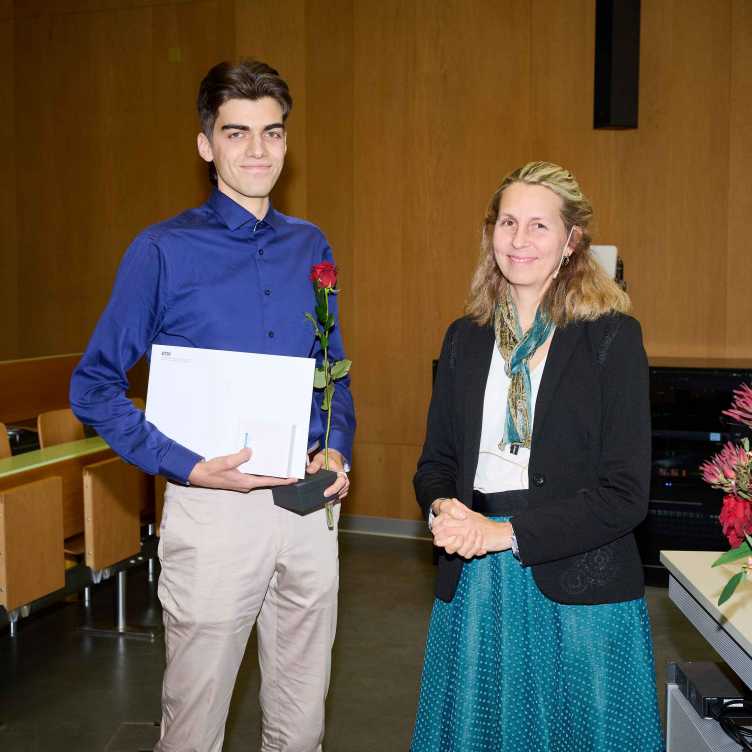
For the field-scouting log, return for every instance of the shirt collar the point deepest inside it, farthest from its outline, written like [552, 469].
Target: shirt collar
[235, 216]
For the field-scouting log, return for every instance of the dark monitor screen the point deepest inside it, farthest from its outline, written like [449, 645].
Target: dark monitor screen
[688, 428]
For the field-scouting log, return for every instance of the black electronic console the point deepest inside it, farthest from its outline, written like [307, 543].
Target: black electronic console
[687, 399]
[708, 686]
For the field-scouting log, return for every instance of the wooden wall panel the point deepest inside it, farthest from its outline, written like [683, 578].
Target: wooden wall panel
[384, 86]
[649, 187]
[406, 116]
[112, 150]
[681, 262]
[382, 481]
[274, 31]
[561, 101]
[632, 210]
[434, 134]
[8, 247]
[384, 74]
[464, 137]
[330, 138]
[739, 267]
[432, 142]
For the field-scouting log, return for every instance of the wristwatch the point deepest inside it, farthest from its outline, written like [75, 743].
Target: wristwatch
[513, 546]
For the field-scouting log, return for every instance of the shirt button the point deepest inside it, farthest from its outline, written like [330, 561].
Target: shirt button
[261, 251]
[271, 335]
[539, 479]
[267, 291]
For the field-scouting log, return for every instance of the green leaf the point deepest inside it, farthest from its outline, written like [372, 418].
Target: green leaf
[328, 394]
[321, 314]
[341, 368]
[731, 585]
[330, 321]
[319, 379]
[314, 322]
[742, 551]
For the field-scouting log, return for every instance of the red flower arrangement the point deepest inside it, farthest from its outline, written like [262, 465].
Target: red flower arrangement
[735, 519]
[731, 471]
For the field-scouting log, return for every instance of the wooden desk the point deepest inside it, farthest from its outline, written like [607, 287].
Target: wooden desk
[64, 460]
[694, 586]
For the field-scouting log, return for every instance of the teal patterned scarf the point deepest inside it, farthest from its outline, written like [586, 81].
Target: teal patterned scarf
[517, 349]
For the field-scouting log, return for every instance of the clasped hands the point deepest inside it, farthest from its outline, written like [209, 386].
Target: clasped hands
[222, 473]
[457, 529]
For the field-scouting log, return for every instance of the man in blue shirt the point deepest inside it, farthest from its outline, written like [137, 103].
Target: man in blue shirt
[232, 274]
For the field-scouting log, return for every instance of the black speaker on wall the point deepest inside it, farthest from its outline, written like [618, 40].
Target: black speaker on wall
[617, 63]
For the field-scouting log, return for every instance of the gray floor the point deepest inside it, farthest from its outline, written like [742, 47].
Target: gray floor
[62, 691]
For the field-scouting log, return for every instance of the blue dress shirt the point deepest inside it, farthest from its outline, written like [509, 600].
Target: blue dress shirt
[213, 277]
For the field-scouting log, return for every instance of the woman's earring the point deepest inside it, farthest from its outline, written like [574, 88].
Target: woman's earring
[566, 260]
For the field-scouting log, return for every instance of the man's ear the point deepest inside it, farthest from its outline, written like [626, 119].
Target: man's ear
[204, 147]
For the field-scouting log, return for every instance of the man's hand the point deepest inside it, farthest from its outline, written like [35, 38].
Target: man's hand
[341, 486]
[459, 530]
[222, 472]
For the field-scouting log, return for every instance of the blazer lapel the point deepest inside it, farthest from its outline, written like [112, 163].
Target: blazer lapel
[563, 345]
[477, 355]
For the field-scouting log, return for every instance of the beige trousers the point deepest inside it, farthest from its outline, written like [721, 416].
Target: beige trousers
[230, 560]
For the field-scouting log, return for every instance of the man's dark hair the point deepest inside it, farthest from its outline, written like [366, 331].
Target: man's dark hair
[249, 79]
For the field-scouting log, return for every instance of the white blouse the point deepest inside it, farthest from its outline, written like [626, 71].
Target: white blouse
[497, 470]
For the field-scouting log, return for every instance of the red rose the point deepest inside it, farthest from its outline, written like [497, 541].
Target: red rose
[324, 275]
[735, 518]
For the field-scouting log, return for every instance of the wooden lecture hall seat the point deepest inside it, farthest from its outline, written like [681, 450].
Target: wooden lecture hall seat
[31, 542]
[4, 443]
[115, 494]
[59, 427]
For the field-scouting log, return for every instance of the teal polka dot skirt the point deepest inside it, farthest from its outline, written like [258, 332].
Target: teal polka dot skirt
[508, 670]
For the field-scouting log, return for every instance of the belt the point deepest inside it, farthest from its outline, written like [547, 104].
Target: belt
[502, 504]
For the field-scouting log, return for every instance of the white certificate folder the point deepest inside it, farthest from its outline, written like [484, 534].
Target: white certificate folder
[216, 402]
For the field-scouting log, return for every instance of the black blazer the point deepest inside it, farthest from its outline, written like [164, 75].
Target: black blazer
[589, 472]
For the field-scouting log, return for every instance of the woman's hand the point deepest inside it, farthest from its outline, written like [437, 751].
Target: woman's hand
[459, 530]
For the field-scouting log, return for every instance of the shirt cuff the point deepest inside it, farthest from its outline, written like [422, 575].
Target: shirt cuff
[431, 515]
[515, 547]
[343, 444]
[177, 463]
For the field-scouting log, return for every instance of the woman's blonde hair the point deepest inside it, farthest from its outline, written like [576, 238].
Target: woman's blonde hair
[582, 290]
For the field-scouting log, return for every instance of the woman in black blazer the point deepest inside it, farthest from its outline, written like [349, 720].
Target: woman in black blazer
[534, 473]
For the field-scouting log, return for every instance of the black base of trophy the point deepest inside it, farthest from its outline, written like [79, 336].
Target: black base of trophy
[306, 495]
